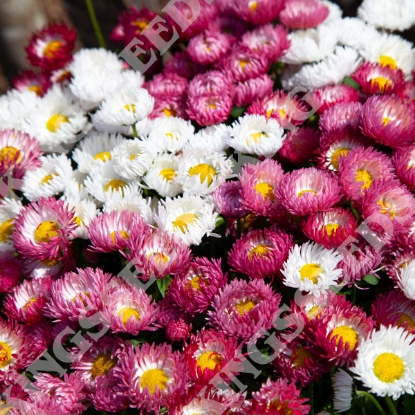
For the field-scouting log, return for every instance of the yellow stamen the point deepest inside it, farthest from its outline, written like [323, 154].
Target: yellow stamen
[51, 48]
[259, 251]
[257, 137]
[130, 107]
[303, 192]
[8, 154]
[78, 221]
[388, 367]
[154, 379]
[55, 121]
[102, 365]
[160, 257]
[5, 354]
[6, 230]
[128, 313]
[46, 231]
[300, 357]
[266, 190]
[381, 82]
[48, 178]
[194, 283]
[104, 156]
[209, 360]
[253, 5]
[123, 234]
[205, 172]
[314, 312]
[365, 177]
[405, 320]
[49, 262]
[388, 61]
[141, 24]
[36, 89]
[347, 334]
[334, 158]
[183, 221]
[245, 307]
[386, 121]
[168, 174]
[115, 185]
[311, 271]
[169, 112]
[331, 228]
[387, 208]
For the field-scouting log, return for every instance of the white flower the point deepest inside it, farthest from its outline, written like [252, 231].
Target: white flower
[9, 209]
[335, 12]
[255, 134]
[95, 149]
[202, 173]
[406, 280]
[212, 138]
[85, 212]
[187, 217]
[311, 267]
[343, 388]
[386, 362]
[75, 189]
[357, 34]
[48, 180]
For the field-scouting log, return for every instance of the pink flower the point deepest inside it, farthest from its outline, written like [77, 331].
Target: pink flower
[169, 107]
[51, 48]
[38, 338]
[228, 200]
[10, 272]
[48, 268]
[303, 14]
[244, 310]
[181, 64]
[260, 253]
[167, 84]
[309, 190]
[388, 120]
[31, 81]
[330, 96]
[178, 330]
[209, 47]
[209, 109]
[404, 162]
[210, 83]
[245, 93]
[257, 12]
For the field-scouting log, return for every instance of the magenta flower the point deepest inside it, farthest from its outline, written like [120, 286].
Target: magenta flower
[210, 83]
[209, 109]
[245, 93]
[10, 272]
[303, 14]
[228, 200]
[330, 96]
[167, 85]
[257, 12]
[30, 81]
[209, 47]
[404, 162]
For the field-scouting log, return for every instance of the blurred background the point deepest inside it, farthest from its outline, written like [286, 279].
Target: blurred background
[20, 18]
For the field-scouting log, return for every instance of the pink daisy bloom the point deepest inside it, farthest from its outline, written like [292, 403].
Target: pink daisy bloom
[303, 14]
[167, 84]
[404, 162]
[18, 152]
[51, 48]
[243, 64]
[174, 106]
[257, 12]
[245, 93]
[299, 145]
[178, 330]
[330, 96]
[281, 106]
[361, 168]
[209, 47]
[128, 309]
[228, 200]
[270, 40]
[309, 190]
[209, 109]
[66, 394]
[48, 268]
[159, 254]
[153, 376]
[182, 64]
[343, 116]
[31, 81]
[407, 91]
[399, 252]
[208, 353]
[375, 78]
[43, 228]
[26, 302]
[111, 231]
[210, 83]
[330, 228]
[388, 120]
[77, 295]
[193, 290]
[229, 23]
[260, 183]
[260, 253]
[10, 272]
[39, 338]
[244, 310]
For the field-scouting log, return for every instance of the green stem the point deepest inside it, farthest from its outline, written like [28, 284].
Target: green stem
[391, 406]
[373, 400]
[134, 127]
[354, 211]
[95, 23]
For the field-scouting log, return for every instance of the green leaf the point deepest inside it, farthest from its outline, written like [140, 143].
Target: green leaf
[237, 112]
[163, 284]
[351, 82]
[371, 279]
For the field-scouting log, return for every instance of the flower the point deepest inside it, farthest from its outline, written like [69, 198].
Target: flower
[386, 362]
[209, 47]
[257, 12]
[228, 200]
[167, 84]
[405, 278]
[245, 93]
[31, 81]
[303, 14]
[209, 109]
[404, 162]
[330, 96]
[10, 272]
[343, 390]
[9, 209]
[342, 117]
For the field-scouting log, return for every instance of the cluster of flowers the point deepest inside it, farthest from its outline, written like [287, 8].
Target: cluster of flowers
[214, 194]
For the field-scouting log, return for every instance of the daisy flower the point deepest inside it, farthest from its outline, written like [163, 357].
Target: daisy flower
[228, 200]
[330, 96]
[9, 209]
[343, 391]
[209, 109]
[386, 362]
[405, 280]
[181, 64]
[303, 14]
[167, 84]
[404, 162]
[10, 271]
[28, 80]
[245, 93]
[212, 138]
[210, 83]
[255, 134]
[85, 212]
[209, 47]
[14, 347]
[257, 12]
[312, 268]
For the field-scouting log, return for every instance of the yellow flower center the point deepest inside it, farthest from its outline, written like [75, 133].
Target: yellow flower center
[334, 158]
[303, 192]
[244, 62]
[331, 228]
[123, 234]
[49, 262]
[130, 107]
[387, 208]
[48, 178]
[6, 230]
[168, 174]
[29, 303]
[253, 5]
[183, 221]
[154, 379]
[169, 112]
[386, 121]
[266, 190]
[311, 272]
[160, 257]
[205, 172]
[104, 156]
[388, 367]
[347, 334]
[314, 312]
[300, 357]
[407, 321]
[381, 82]
[78, 221]
[194, 283]
[8, 153]
[365, 177]
[54, 122]
[259, 251]
[245, 307]
[37, 90]
[102, 365]
[5, 355]
[209, 360]
[46, 231]
[128, 312]
[51, 48]
[141, 24]
[257, 137]
[282, 407]
[388, 61]
[115, 185]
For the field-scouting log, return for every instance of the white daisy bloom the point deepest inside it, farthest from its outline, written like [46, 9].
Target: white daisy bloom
[343, 389]
[255, 134]
[85, 212]
[335, 12]
[132, 78]
[162, 176]
[125, 107]
[133, 158]
[102, 181]
[386, 362]
[312, 268]
[311, 45]
[170, 134]
[202, 173]
[75, 189]
[388, 14]
[357, 34]
[95, 149]
[48, 180]
[212, 138]
[96, 74]
[188, 217]
[406, 280]
[57, 121]
[131, 199]
[332, 70]
[9, 209]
